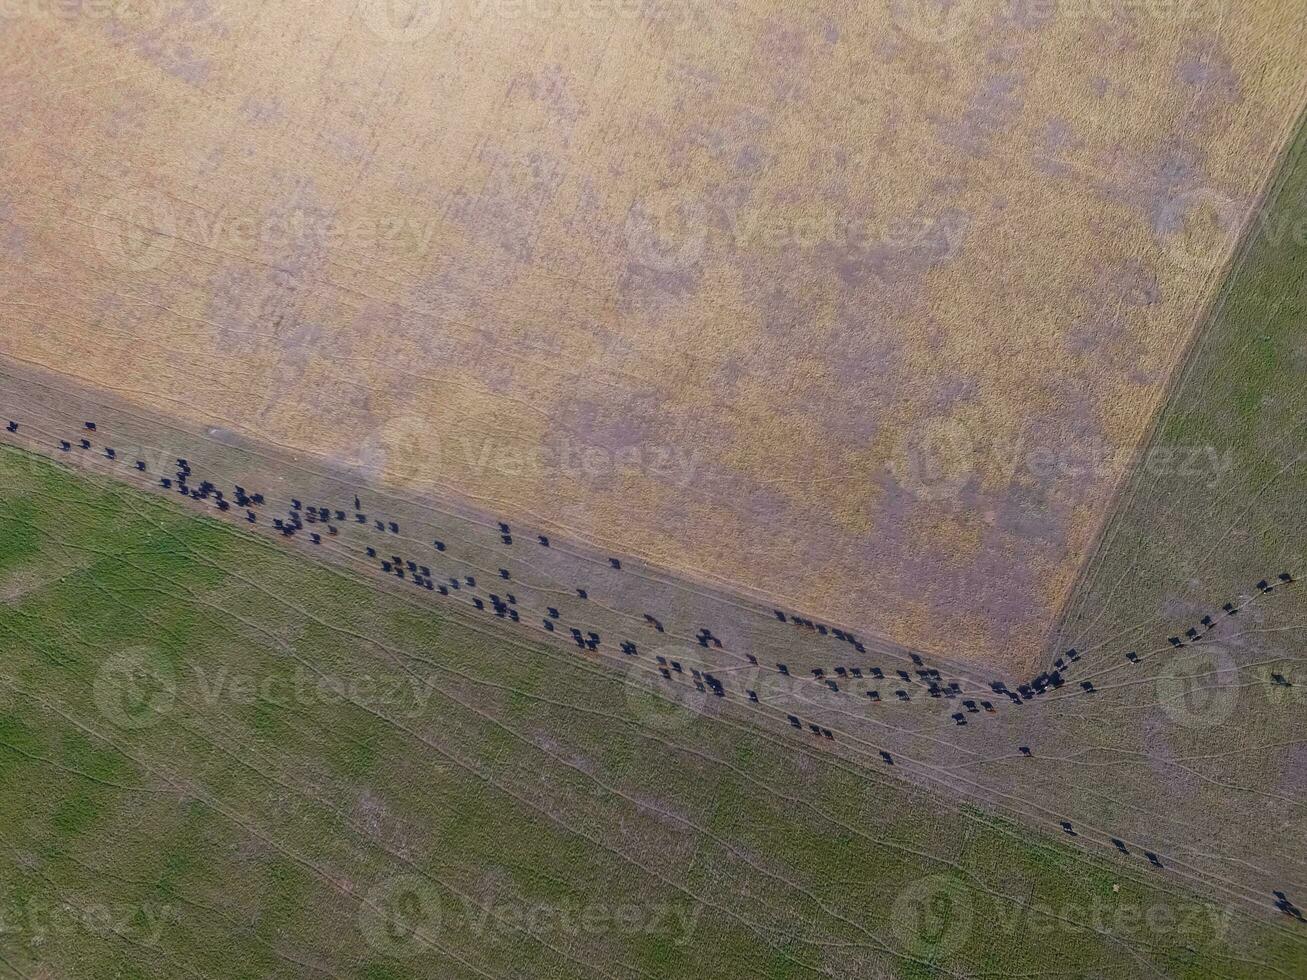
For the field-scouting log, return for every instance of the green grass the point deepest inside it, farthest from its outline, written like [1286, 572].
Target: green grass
[237, 826]
[1183, 539]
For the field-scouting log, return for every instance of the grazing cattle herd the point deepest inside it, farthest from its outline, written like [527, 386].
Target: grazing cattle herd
[319, 522]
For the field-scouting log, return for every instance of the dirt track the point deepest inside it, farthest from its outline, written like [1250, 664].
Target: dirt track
[855, 307]
[1086, 748]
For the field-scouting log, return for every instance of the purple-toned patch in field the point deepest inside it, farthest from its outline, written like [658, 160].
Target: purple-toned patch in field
[643, 287]
[14, 237]
[164, 42]
[863, 356]
[1031, 14]
[1158, 184]
[783, 41]
[765, 511]
[905, 249]
[248, 305]
[1205, 66]
[749, 160]
[294, 235]
[721, 139]
[1064, 451]
[550, 86]
[1033, 515]
[522, 180]
[780, 300]
[786, 55]
[263, 111]
[633, 424]
[990, 588]
[1056, 143]
[995, 105]
[1105, 335]
[898, 508]
[947, 391]
[252, 304]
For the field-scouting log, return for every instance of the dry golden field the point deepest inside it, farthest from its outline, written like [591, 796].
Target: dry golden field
[863, 306]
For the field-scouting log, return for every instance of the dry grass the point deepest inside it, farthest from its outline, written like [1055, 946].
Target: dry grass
[807, 247]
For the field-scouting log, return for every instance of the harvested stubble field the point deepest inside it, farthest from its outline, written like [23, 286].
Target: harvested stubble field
[503, 277]
[1216, 725]
[1196, 752]
[1176, 546]
[218, 760]
[710, 284]
[1086, 773]
[48, 411]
